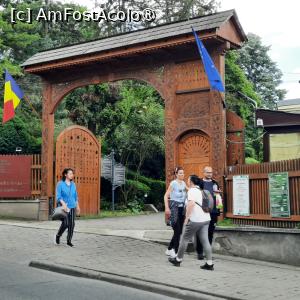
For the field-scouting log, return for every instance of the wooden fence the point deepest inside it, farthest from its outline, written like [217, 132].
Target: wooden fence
[258, 185]
[36, 178]
[36, 175]
[259, 193]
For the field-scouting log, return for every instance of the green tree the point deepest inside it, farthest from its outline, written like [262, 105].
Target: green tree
[236, 81]
[17, 39]
[261, 71]
[21, 40]
[93, 106]
[166, 11]
[177, 10]
[141, 133]
[16, 133]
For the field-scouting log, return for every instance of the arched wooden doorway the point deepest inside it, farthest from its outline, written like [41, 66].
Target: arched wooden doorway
[78, 148]
[194, 153]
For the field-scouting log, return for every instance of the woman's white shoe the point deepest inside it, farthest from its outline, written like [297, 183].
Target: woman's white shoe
[170, 253]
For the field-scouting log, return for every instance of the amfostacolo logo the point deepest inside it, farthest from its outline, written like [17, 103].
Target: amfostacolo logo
[43, 15]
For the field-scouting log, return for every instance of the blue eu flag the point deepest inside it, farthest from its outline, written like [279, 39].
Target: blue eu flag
[212, 73]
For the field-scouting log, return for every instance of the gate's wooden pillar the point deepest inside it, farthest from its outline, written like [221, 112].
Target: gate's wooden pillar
[198, 111]
[218, 136]
[170, 163]
[218, 119]
[169, 95]
[47, 150]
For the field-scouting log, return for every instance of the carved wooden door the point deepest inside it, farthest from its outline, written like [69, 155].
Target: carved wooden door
[194, 153]
[78, 148]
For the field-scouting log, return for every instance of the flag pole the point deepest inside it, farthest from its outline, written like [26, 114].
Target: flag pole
[223, 99]
[31, 106]
[212, 89]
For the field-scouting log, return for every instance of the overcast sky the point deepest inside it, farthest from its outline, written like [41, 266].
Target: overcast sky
[277, 23]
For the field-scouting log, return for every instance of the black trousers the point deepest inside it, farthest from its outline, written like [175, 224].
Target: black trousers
[211, 230]
[177, 228]
[68, 222]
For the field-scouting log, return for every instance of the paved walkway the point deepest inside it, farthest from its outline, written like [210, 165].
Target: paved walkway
[148, 227]
[233, 277]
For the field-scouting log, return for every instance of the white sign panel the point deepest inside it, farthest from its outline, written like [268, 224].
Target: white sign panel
[106, 167]
[241, 202]
[119, 175]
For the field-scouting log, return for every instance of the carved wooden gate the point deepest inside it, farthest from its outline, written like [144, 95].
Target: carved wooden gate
[78, 148]
[194, 153]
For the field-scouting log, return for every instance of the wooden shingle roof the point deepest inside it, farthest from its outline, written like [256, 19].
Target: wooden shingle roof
[276, 118]
[204, 23]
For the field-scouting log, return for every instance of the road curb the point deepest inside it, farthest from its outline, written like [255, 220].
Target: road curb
[154, 287]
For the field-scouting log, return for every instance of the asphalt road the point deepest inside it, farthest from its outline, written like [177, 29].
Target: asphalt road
[20, 282]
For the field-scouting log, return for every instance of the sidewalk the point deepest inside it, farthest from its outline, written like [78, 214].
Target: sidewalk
[143, 262]
[146, 227]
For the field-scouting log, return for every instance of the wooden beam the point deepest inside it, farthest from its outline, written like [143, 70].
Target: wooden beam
[263, 175]
[205, 89]
[294, 218]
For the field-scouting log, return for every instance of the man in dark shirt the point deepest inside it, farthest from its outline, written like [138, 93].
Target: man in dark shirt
[212, 186]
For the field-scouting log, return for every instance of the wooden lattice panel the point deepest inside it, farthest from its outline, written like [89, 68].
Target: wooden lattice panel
[194, 153]
[78, 148]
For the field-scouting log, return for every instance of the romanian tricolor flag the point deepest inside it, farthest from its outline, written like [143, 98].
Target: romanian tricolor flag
[12, 96]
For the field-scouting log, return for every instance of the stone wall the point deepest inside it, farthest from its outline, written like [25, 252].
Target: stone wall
[24, 209]
[266, 244]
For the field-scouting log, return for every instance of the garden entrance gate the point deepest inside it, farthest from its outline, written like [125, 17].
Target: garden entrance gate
[78, 148]
[165, 57]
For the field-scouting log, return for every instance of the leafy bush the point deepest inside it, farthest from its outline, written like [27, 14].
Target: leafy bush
[105, 204]
[139, 186]
[136, 206]
[135, 191]
[250, 151]
[156, 189]
[251, 160]
[226, 222]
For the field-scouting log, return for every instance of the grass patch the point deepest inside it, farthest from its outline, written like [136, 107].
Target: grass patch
[114, 214]
[226, 223]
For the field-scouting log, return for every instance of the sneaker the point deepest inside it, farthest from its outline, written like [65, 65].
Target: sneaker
[70, 244]
[56, 240]
[174, 261]
[207, 267]
[170, 253]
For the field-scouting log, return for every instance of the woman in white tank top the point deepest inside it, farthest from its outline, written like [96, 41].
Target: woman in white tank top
[196, 222]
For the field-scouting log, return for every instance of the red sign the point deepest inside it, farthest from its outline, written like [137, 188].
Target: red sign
[15, 173]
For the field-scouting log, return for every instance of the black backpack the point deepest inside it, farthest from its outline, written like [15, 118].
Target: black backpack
[207, 201]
